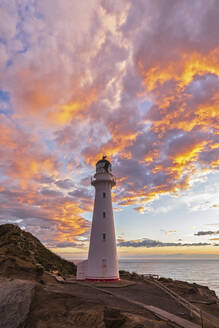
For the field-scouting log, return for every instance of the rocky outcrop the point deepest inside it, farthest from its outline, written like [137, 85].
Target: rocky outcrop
[190, 291]
[30, 304]
[15, 300]
[23, 255]
[113, 318]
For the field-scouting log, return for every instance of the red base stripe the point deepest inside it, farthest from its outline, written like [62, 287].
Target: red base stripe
[102, 279]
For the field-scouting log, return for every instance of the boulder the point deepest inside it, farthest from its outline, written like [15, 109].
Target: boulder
[59, 279]
[113, 318]
[15, 300]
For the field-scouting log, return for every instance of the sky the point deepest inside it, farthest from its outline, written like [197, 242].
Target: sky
[137, 81]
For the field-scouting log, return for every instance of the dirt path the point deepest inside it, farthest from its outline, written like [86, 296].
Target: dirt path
[149, 294]
[164, 315]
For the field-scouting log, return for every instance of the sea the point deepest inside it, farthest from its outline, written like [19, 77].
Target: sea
[201, 271]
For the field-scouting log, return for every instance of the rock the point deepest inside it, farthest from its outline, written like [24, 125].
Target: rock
[205, 292]
[113, 318]
[70, 280]
[39, 270]
[190, 290]
[15, 300]
[59, 279]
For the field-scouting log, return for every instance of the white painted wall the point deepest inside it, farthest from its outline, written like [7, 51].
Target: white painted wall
[81, 270]
[102, 257]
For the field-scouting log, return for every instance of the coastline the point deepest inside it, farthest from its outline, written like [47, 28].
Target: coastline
[39, 289]
[135, 301]
[201, 271]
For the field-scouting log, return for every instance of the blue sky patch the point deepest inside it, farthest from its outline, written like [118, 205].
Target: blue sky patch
[4, 96]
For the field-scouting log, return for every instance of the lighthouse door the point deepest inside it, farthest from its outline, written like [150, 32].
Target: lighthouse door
[104, 267]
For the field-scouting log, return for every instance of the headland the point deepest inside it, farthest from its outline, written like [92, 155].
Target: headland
[39, 290]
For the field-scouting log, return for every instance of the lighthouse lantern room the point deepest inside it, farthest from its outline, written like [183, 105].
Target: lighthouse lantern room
[102, 263]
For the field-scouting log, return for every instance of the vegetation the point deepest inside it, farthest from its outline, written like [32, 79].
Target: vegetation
[25, 250]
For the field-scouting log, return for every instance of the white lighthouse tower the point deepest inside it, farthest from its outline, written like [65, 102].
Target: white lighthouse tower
[102, 263]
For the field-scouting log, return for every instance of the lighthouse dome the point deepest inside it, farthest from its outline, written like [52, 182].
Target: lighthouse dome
[103, 166]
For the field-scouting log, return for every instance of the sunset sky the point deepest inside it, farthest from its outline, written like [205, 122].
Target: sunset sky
[137, 81]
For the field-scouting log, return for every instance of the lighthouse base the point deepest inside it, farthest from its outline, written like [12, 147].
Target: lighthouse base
[103, 279]
[83, 274]
[81, 270]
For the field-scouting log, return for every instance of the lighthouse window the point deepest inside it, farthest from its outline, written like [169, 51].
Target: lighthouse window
[104, 214]
[104, 195]
[104, 236]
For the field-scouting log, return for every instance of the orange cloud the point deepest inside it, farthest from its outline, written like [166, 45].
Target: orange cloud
[43, 97]
[183, 158]
[25, 158]
[35, 94]
[70, 223]
[140, 209]
[115, 146]
[26, 162]
[6, 135]
[177, 112]
[183, 70]
[89, 99]
[74, 109]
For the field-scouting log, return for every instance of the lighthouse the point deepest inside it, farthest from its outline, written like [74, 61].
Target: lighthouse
[102, 263]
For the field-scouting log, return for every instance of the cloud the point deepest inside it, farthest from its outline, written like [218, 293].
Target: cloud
[50, 193]
[169, 232]
[66, 244]
[212, 224]
[206, 233]
[136, 81]
[149, 243]
[65, 184]
[51, 219]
